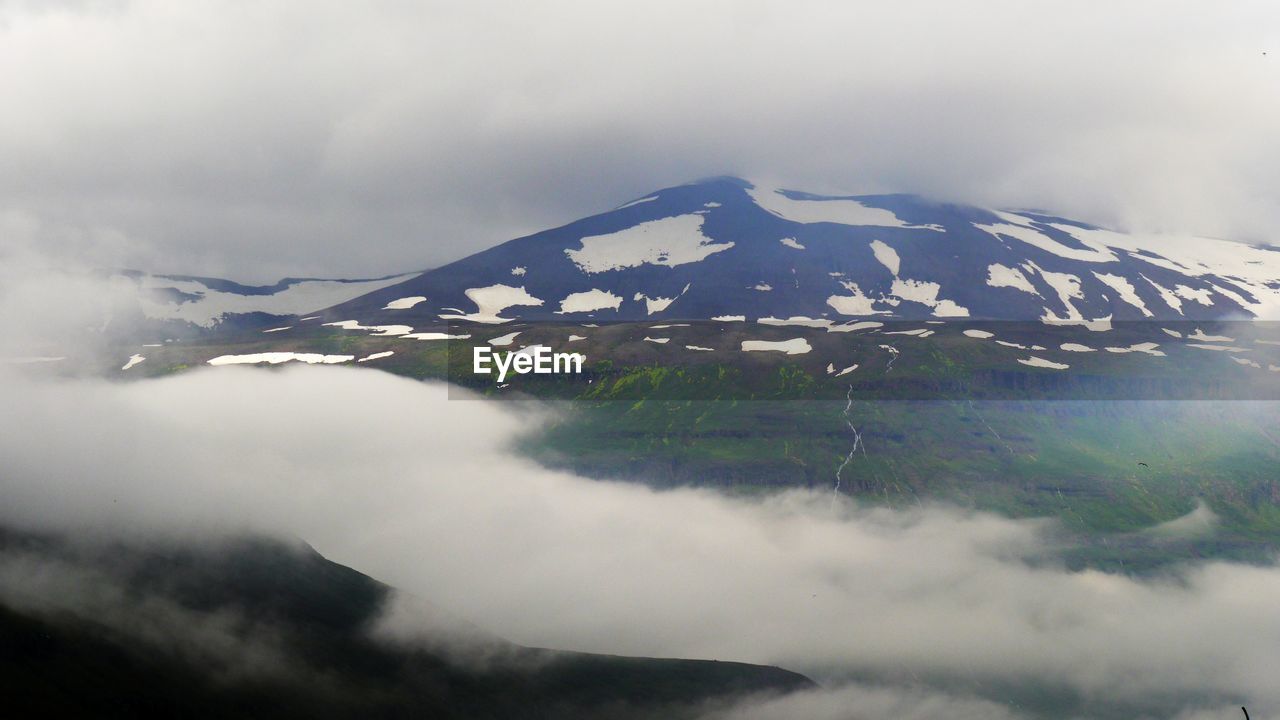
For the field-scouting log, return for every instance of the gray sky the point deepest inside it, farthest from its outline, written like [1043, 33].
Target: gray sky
[255, 140]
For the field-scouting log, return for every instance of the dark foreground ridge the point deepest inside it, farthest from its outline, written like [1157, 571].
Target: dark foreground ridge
[261, 628]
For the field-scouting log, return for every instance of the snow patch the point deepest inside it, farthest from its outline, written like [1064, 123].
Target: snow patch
[800, 320]
[980, 334]
[658, 304]
[1077, 347]
[855, 303]
[651, 198]
[1170, 298]
[699, 347]
[1067, 286]
[660, 341]
[1251, 267]
[275, 358]
[377, 356]
[854, 327]
[887, 256]
[504, 340]
[791, 243]
[1020, 228]
[1039, 362]
[796, 346]
[405, 303]
[379, 330]
[1125, 289]
[844, 211]
[433, 336]
[491, 300]
[1148, 348]
[1202, 337]
[590, 300]
[1204, 297]
[1222, 348]
[669, 241]
[1000, 276]
[133, 360]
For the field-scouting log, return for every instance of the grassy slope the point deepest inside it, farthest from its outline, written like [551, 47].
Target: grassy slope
[762, 421]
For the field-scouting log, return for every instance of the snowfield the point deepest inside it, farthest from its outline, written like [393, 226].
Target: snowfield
[670, 241]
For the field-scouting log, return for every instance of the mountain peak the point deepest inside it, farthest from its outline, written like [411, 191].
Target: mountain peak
[728, 247]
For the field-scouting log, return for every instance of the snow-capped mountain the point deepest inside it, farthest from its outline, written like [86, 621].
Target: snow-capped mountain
[727, 249]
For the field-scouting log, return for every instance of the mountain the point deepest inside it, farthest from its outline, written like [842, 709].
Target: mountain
[177, 306]
[725, 248]
[255, 627]
[725, 271]
[884, 335]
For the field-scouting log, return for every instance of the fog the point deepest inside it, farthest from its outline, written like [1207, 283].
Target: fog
[390, 476]
[257, 140]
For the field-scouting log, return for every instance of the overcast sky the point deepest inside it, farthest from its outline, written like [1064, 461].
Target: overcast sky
[256, 140]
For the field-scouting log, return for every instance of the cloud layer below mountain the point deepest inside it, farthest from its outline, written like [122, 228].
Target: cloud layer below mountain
[358, 463]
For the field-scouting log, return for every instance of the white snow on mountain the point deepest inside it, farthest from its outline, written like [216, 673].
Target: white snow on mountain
[380, 330]
[1020, 228]
[855, 303]
[1250, 266]
[1039, 362]
[837, 210]
[405, 303]
[1000, 276]
[590, 300]
[1125, 289]
[275, 358]
[795, 346]
[887, 256]
[669, 241]
[492, 300]
[504, 340]
[658, 304]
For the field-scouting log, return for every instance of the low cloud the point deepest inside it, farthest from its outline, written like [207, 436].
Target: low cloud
[361, 465]
[270, 139]
[226, 644]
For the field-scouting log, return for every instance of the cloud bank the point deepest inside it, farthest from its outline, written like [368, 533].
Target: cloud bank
[925, 604]
[268, 139]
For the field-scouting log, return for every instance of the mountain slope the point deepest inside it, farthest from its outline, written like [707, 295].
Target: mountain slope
[259, 628]
[725, 248]
[182, 304]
